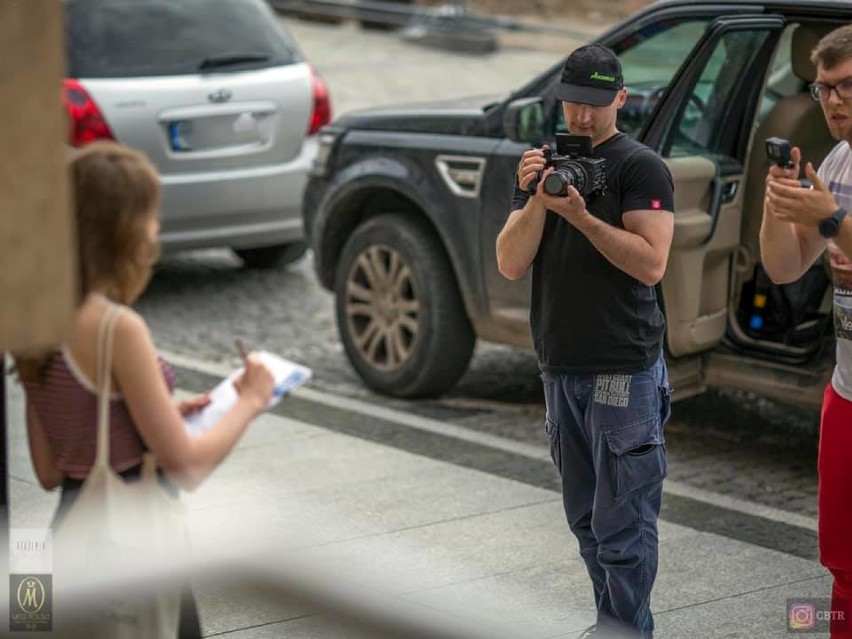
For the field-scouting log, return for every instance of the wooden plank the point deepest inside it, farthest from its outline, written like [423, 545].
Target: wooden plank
[37, 255]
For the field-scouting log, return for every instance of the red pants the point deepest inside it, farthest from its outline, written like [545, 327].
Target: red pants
[835, 504]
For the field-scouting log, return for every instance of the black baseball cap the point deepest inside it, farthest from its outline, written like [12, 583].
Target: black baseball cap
[592, 75]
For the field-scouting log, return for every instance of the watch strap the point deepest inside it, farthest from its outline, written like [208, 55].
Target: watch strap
[830, 226]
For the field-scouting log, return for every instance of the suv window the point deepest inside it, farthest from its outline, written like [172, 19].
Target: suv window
[649, 59]
[701, 124]
[127, 38]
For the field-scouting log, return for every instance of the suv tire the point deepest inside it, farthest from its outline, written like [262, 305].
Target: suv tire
[271, 256]
[399, 312]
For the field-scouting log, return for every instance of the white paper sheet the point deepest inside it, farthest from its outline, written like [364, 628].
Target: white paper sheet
[288, 376]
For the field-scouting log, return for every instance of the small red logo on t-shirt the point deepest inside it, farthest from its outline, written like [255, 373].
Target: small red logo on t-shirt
[656, 205]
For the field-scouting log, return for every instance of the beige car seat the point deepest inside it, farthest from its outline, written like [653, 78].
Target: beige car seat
[797, 118]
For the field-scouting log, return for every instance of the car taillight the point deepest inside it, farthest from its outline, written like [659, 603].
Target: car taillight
[87, 123]
[321, 114]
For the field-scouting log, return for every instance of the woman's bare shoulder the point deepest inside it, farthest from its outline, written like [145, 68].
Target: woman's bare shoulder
[132, 326]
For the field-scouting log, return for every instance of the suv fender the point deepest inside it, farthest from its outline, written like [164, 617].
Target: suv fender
[377, 185]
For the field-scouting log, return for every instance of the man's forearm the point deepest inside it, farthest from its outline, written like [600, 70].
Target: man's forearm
[786, 249]
[627, 251]
[519, 240]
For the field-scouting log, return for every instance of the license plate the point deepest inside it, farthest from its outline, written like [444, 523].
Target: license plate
[215, 132]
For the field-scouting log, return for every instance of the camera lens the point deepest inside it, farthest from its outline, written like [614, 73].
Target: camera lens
[556, 184]
[570, 173]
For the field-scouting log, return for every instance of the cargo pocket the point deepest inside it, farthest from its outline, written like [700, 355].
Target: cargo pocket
[638, 457]
[552, 430]
[665, 404]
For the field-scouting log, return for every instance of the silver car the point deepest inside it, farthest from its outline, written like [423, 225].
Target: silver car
[218, 95]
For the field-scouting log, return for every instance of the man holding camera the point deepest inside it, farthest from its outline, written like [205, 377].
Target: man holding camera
[798, 224]
[598, 332]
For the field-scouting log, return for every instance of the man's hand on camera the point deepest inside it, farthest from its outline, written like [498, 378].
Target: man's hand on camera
[531, 163]
[792, 173]
[788, 201]
[777, 173]
[571, 206]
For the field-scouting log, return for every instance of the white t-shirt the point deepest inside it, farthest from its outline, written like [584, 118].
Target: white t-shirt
[836, 172]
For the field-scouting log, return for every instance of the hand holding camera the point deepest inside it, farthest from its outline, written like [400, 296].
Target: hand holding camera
[530, 167]
[805, 202]
[572, 164]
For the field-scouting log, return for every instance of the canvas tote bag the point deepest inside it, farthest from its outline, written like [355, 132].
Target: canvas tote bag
[116, 529]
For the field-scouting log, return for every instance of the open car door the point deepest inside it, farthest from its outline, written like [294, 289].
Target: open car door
[701, 128]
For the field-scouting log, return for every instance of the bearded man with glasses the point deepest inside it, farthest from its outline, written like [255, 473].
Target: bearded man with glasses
[798, 225]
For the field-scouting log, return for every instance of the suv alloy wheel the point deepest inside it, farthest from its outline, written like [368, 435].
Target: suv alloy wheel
[399, 311]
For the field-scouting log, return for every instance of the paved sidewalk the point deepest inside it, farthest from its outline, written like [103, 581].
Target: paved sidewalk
[454, 540]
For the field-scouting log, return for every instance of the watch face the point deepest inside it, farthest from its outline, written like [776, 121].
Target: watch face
[828, 227]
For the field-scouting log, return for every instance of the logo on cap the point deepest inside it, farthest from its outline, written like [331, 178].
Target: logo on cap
[599, 76]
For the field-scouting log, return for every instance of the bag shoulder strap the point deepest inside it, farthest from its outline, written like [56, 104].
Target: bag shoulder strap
[106, 331]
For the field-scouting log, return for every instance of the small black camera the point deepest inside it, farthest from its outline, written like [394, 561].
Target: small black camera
[779, 151]
[572, 166]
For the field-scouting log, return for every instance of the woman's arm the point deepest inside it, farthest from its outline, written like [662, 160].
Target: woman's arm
[187, 460]
[44, 461]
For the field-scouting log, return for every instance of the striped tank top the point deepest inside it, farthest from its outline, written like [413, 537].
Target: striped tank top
[66, 404]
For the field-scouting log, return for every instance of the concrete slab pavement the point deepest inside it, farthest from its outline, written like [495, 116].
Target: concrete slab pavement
[454, 540]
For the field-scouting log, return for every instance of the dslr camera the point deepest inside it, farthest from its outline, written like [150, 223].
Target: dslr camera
[572, 166]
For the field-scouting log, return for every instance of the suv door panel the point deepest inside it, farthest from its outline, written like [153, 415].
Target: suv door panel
[697, 315]
[697, 125]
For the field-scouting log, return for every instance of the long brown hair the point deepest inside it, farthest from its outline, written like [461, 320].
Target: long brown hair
[115, 191]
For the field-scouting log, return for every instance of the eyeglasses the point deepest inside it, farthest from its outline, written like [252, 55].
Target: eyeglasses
[822, 91]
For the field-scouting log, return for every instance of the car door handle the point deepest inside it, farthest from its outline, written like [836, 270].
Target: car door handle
[729, 191]
[723, 192]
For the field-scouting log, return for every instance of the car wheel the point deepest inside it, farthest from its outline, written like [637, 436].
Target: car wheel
[399, 312]
[271, 256]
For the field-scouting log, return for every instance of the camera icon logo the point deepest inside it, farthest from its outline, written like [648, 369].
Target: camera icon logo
[801, 616]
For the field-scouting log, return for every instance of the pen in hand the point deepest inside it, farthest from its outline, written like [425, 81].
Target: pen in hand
[241, 349]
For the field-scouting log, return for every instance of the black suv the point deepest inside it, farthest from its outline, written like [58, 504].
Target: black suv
[404, 206]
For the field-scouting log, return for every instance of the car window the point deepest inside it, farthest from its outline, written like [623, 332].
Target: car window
[650, 58]
[699, 126]
[126, 38]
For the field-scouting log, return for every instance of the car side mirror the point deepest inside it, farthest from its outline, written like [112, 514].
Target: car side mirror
[523, 120]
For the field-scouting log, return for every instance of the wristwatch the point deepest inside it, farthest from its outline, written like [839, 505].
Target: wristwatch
[830, 226]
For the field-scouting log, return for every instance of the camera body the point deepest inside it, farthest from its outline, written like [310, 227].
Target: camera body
[779, 151]
[572, 166]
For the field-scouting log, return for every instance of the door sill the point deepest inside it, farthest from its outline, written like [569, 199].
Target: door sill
[782, 382]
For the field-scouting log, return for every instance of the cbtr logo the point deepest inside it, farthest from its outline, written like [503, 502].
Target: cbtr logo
[656, 204]
[31, 603]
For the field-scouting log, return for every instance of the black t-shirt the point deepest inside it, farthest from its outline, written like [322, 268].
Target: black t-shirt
[588, 316]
